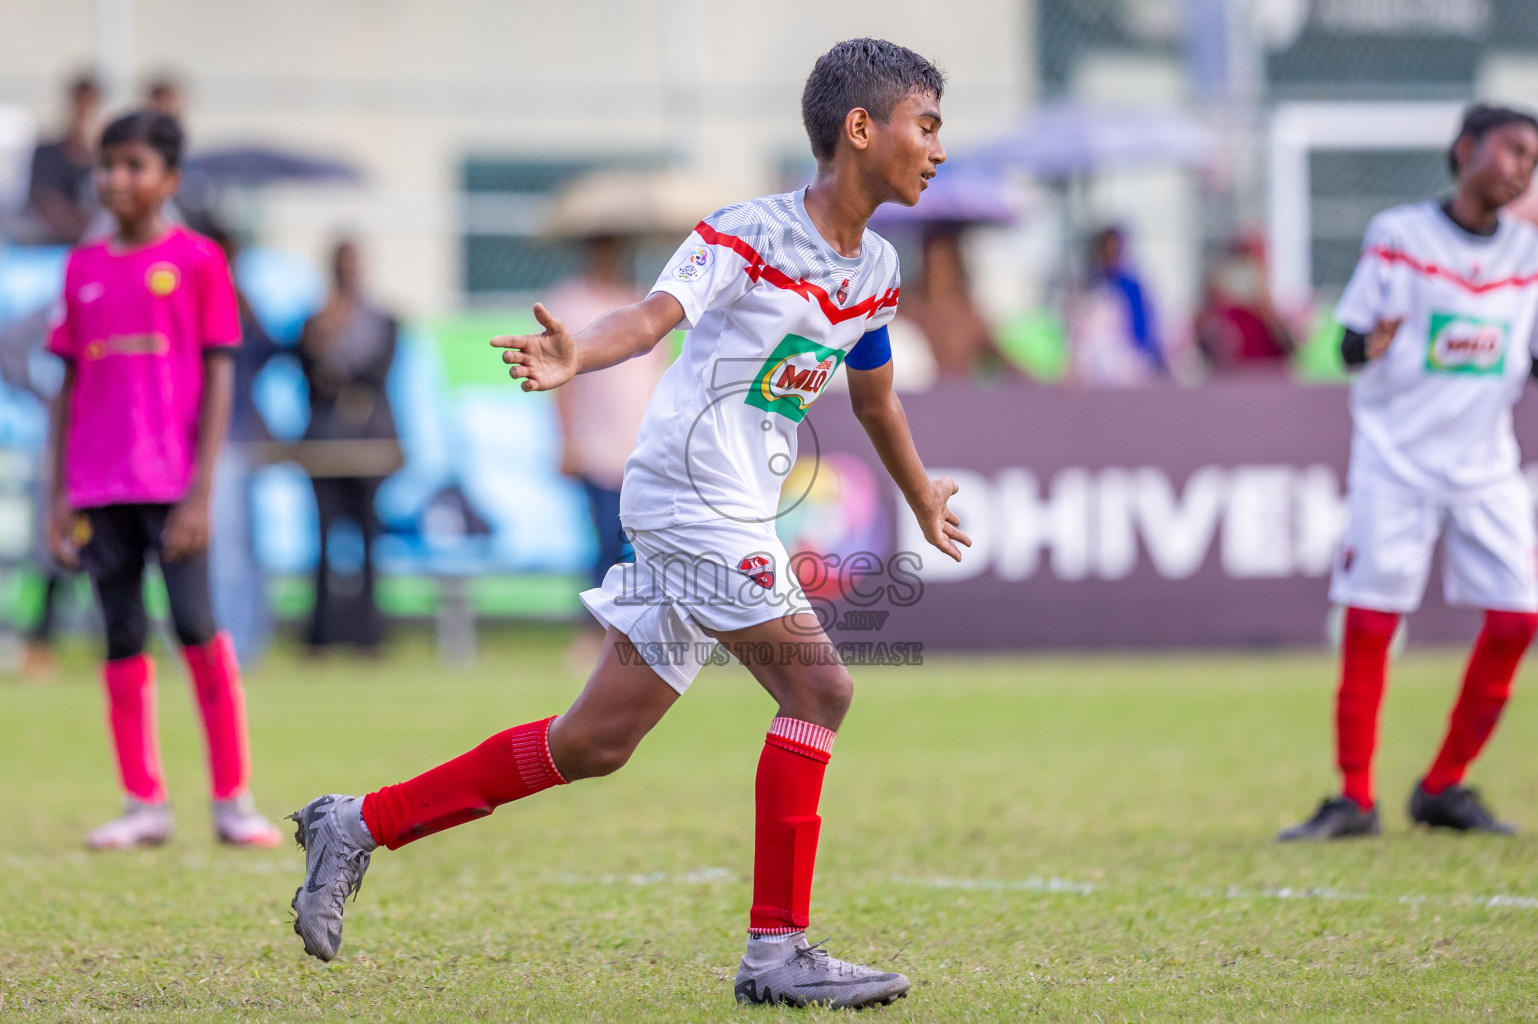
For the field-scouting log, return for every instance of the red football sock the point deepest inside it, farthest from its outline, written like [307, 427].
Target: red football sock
[130, 684]
[222, 702]
[509, 766]
[1486, 686]
[1363, 671]
[789, 784]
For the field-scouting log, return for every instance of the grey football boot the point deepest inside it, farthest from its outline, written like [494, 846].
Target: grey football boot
[798, 974]
[336, 847]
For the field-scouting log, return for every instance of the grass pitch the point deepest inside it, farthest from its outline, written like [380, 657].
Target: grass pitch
[1063, 838]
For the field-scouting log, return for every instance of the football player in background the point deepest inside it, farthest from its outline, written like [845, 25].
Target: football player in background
[1439, 317]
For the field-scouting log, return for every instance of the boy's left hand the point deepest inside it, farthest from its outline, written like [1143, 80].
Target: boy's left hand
[941, 526]
[186, 531]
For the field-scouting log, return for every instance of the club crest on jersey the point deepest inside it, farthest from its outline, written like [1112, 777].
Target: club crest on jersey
[694, 265]
[759, 569]
[793, 377]
[162, 278]
[1465, 344]
[842, 295]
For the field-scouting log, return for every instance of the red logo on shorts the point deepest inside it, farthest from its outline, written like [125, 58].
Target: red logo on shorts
[759, 569]
[1346, 558]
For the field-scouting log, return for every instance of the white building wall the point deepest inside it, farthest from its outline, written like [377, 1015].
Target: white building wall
[407, 89]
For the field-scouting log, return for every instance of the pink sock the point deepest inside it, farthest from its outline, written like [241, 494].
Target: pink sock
[130, 684]
[216, 678]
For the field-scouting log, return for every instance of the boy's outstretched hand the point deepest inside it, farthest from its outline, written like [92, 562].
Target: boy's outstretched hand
[941, 526]
[542, 361]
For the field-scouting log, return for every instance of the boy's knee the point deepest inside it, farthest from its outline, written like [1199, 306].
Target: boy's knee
[126, 632]
[822, 696]
[194, 630]
[587, 754]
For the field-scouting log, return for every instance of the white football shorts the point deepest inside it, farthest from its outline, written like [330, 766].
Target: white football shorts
[1489, 547]
[720, 575]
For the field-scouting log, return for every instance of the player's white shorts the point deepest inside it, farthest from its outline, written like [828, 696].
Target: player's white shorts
[720, 575]
[1489, 547]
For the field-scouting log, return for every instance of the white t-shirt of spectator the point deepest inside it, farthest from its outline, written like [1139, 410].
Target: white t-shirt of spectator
[1433, 413]
[771, 311]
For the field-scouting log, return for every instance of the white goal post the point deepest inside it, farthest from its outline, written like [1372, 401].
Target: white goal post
[1297, 130]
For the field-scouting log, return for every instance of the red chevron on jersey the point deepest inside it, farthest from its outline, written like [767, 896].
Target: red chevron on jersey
[759, 270]
[1388, 255]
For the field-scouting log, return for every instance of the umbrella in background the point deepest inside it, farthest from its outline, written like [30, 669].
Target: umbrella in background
[1062, 141]
[968, 194]
[636, 203]
[254, 166]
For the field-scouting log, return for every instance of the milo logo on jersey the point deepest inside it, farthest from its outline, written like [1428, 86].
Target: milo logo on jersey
[1463, 344]
[793, 376]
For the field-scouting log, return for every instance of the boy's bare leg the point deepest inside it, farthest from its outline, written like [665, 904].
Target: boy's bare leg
[813, 690]
[622, 702]
[624, 698]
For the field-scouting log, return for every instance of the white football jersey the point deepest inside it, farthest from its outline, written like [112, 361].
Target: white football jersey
[1433, 413]
[771, 309]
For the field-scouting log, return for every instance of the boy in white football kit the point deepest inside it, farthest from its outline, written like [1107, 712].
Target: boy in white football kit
[775, 294]
[1442, 310]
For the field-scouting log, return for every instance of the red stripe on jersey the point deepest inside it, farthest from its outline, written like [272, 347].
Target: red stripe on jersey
[1432, 270]
[759, 270]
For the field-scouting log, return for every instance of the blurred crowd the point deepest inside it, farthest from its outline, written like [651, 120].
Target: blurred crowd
[1106, 327]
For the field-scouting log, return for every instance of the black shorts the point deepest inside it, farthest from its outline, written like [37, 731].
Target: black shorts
[116, 541]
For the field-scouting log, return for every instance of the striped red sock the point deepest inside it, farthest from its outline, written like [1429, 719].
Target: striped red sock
[789, 785]
[1363, 672]
[1486, 688]
[509, 766]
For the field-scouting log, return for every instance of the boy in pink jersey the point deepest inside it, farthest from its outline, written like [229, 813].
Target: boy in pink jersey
[148, 321]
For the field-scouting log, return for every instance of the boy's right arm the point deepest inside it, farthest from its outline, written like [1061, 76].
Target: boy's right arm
[61, 517]
[554, 356]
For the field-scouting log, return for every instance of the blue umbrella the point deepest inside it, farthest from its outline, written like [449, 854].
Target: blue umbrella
[252, 166]
[1069, 140]
[965, 194]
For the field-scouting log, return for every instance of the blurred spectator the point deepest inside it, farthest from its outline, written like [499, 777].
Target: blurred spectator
[24, 366]
[601, 412]
[346, 351]
[163, 94]
[1111, 328]
[1238, 326]
[942, 308]
[60, 198]
[239, 585]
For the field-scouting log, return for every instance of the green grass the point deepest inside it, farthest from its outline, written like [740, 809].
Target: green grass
[1053, 838]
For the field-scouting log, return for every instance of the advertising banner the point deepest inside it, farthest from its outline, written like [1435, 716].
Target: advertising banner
[1158, 517]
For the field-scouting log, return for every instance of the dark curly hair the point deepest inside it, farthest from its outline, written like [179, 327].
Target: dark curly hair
[158, 131]
[869, 73]
[1480, 120]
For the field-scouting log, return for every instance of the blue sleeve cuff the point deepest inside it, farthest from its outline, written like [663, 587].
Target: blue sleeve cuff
[870, 352]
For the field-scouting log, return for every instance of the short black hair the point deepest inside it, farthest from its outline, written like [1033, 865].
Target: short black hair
[1480, 120]
[158, 131]
[869, 73]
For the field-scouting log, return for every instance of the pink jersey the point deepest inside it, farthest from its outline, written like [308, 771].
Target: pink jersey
[136, 324]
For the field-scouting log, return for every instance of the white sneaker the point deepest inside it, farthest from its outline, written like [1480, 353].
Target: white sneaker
[237, 823]
[792, 972]
[142, 824]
